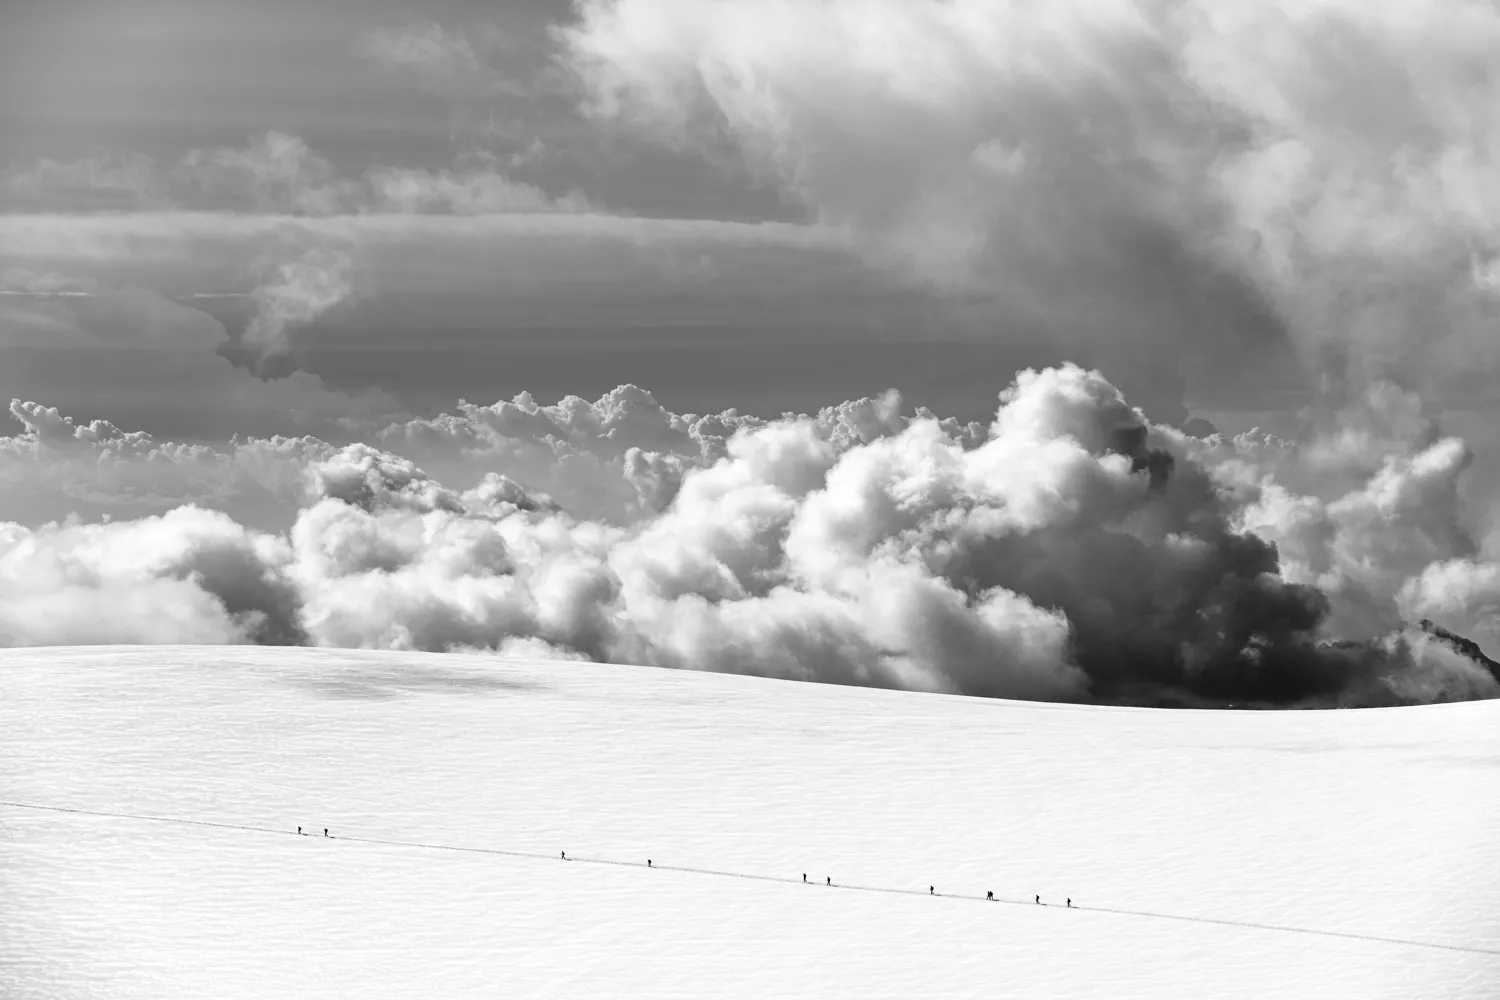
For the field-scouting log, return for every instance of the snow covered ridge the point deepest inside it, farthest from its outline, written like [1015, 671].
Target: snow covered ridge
[1071, 551]
[1221, 855]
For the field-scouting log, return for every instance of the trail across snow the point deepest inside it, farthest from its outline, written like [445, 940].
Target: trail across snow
[1208, 854]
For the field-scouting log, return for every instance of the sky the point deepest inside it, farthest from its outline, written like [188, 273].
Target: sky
[783, 298]
[153, 108]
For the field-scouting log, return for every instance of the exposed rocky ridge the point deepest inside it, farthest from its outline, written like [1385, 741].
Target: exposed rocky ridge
[1468, 647]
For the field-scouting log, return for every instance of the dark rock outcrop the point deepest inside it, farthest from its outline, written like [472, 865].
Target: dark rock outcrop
[1467, 647]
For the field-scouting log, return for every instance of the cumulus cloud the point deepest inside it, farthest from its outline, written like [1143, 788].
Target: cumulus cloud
[56, 467]
[188, 576]
[1071, 550]
[616, 458]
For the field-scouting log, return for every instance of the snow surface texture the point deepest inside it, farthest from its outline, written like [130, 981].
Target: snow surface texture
[1383, 823]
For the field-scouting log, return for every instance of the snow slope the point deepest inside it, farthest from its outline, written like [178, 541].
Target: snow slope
[1384, 823]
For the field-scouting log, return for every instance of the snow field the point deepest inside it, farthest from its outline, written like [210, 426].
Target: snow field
[1383, 823]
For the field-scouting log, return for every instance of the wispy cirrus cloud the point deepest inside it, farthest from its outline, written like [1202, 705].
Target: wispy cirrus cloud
[276, 173]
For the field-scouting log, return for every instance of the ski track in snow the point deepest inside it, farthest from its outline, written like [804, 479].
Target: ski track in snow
[1208, 854]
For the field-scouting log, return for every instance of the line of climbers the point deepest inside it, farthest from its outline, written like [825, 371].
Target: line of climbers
[828, 880]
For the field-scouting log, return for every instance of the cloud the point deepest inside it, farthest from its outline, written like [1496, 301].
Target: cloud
[441, 61]
[26, 283]
[463, 192]
[1038, 161]
[188, 576]
[105, 181]
[156, 364]
[1204, 180]
[1069, 551]
[273, 221]
[302, 274]
[1193, 186]
[1459, 594]
[57, 467]
[300, 291]
[497, 78]
[616, 458]
[459, 257]
[276, 174]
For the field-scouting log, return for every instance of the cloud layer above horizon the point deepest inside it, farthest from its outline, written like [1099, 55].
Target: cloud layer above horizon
[1068, 551]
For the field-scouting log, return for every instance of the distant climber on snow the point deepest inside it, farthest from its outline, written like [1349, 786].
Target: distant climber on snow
[1039, 899]
[1070, 901]
[299, 829]
[804, 876]
[648, 862]
[830, 880]
[565, 855]
[989, 895]
[931, 891]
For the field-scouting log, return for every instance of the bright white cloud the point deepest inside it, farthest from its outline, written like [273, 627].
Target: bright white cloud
[189, 576]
